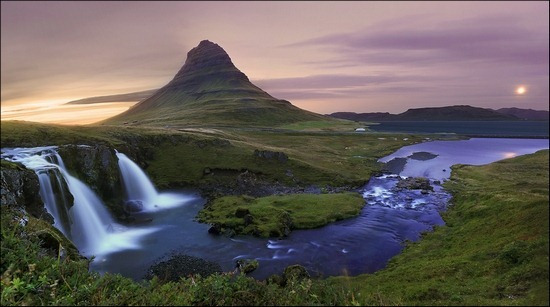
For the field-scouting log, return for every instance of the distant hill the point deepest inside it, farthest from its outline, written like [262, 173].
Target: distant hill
[526, 114]
[210, 90]
[451, 113]
[129, 97]
[364, 117]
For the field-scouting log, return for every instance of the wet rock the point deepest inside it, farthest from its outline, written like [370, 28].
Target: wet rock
[97, 166]
[20, 188]
[133, 206]
[215, 229]
[247, 265]
[415, 183]
[395, 166]
[422, 156]
[285, 226]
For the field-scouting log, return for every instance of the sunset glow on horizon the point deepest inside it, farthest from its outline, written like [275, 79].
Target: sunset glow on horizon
[325, 57]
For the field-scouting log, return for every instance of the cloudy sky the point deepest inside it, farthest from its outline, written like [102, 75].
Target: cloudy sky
[324, 56]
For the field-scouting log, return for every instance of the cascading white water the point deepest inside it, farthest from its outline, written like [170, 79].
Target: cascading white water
[89, 225]
[137, 184]
[59, 212]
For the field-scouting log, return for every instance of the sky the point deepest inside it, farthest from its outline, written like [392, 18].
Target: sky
[327, 56]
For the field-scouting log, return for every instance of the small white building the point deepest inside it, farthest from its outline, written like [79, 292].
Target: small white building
[360, 130]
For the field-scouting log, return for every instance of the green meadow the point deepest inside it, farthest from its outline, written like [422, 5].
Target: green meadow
[492, 250]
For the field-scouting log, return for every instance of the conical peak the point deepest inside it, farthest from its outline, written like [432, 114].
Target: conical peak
[206, 57]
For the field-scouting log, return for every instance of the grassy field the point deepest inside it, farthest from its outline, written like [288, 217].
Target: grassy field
[179, 157]
[493, 250]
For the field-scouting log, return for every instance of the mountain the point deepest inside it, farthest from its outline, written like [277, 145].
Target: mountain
[460, 113]
[129, 97]
[451, 113]
[525, 114]
[364, 117]
[209, 89]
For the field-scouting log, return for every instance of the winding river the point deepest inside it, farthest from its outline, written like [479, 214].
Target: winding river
[363, 244]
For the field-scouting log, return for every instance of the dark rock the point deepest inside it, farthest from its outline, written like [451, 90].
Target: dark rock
[422, 156]
[247, 265]
[20, 188]
[395, 166]
[133, 206]
[241, 212]
[97, 166]
[215, 229]
[415, 183]
[182, 266]
[248, 219]
[285, 225]
[271, 155]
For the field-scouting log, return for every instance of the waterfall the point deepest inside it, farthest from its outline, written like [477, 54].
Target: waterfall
[137, 184]
[87, 223]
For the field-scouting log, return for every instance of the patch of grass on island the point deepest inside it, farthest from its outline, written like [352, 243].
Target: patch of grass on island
[275, 216]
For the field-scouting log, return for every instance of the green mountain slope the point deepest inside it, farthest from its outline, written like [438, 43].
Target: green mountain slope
[210, 90]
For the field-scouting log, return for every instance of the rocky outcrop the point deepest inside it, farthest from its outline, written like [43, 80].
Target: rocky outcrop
[247, 265]
[20, 198]
[20, 188]
[415, 183]
[182, 266]
[97, 166]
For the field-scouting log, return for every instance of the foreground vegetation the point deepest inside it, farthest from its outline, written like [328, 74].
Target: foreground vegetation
[493, 250]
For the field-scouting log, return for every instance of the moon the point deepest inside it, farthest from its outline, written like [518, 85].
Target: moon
[521, 90]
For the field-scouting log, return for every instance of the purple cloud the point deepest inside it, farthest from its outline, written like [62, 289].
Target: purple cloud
[477, 39]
